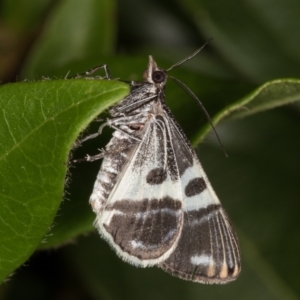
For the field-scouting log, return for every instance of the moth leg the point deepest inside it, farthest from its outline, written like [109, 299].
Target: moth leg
[91, 136]
[93, 70]
[94, 135]
[91, 158]
[134, 126]
[126, 133]
[128, 125]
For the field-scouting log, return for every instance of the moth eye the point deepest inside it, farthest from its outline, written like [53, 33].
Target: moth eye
[158, 76]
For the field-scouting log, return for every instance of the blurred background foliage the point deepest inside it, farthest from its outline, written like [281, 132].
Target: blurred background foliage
[253, 41]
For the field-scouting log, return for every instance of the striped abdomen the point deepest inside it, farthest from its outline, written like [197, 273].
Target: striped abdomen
[116, 156]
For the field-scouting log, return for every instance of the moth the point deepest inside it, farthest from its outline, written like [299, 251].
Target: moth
[154, 203]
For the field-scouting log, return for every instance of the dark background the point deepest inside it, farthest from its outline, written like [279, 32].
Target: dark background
[253, 42]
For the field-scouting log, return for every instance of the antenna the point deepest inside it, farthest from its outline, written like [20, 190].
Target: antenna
[189, 91]
[189, 57]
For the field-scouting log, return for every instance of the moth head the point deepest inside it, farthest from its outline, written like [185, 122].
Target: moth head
[153, 74]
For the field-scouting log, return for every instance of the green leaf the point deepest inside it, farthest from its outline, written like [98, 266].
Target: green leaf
[270, 95]
[39, 123]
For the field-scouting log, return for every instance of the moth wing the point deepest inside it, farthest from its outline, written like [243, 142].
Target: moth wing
[143, 216]
[207, 250]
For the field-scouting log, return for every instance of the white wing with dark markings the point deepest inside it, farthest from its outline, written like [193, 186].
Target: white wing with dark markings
[154, 203]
